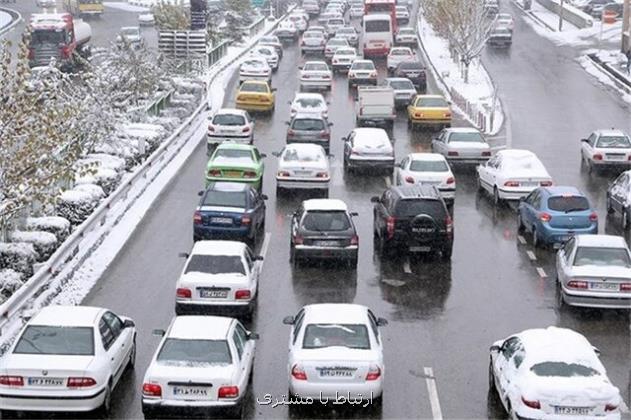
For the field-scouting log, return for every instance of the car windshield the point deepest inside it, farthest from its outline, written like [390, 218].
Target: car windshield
[411, 65]
[269, 39]
[363, 65]
[307, 124]
[354, 336]
[215, 264]
[309, 102]
[473, 137]
[432, 102]
[229, 119]
[335, 21]
[414, 207]
[326, 221]
[194, 352]
[345, 31]
[233, 154]
[568, 203]
[316, 67]
[562, 369]
[47, 37]
[225, 198]
[45, 339]
[253, 87]
[501, 31]
[429, 166]
[614, 142]
[401, 85]
[263, 51]
[601, 256]
[302, 155]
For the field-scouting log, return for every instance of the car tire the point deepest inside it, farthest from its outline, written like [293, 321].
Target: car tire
[446, 252]
[131, 364]
[497, 201]
[536, 242]
[561, 305]
[105, 408]
[520, 225]
[491, 377]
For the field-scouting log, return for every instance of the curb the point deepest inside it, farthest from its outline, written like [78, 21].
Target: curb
[534, 17]
[17, 18]
[621, 81]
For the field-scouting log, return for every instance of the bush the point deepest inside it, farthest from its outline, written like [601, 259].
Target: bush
[18, 256]
[58, 226]
[44, 243]
[10, 281]
[77, 204]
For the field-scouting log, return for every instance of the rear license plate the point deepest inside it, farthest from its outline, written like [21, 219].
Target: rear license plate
[414, 74]
[423, 230]
[604, 286]
[615, 157]
[232, 174]
[221, 220]
[419, 249]
[46, 381]
[327, 243]
[213, 293]
[581, 411]
[336, 373]
[528, 184]
[190, 391]
[302, 173]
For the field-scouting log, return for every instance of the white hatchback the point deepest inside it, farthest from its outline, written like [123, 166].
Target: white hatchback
[606, 148]
[316, 75]
[427, 169]
[255, 68]
[309, 103]
[229, 124]
[399, 55]
[303, 166]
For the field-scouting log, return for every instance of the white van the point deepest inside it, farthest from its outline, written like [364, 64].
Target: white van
[377, 35]
[375, 105]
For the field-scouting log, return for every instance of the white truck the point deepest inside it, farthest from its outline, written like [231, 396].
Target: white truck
[374, 106]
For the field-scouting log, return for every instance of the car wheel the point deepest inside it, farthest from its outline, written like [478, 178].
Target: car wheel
[496, 197]
[480, 188]
[536, 242]
[132, 356]
[292, 252]
[559, 295]
[520, 225]
[106, 407]
[609, 207]
[626, 225]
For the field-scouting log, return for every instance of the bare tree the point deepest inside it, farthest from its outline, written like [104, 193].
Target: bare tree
[169, 16]
[464, 23]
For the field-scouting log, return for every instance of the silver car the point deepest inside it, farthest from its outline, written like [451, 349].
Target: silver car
[462, 145]
[404, 90]
[309, 128]
[349, 33]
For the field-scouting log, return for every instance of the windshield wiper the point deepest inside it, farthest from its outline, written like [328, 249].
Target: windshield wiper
[575, 209]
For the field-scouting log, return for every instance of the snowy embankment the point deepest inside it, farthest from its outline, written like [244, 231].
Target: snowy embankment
[5, 20]
[476, 100]
[127, 6]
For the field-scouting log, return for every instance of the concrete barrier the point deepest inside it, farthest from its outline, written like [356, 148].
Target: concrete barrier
[573, 15]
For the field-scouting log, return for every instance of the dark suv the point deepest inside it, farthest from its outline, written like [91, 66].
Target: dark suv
[415, 71]
[414, 218]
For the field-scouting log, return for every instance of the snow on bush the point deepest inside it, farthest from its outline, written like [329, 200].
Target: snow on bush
[169, 123]
[18, 256]
[44, 243]
[78, 203]
[10, 281]
[177, 112]
[152, 134]
[56, 225]
[122, 147]
[105, 172]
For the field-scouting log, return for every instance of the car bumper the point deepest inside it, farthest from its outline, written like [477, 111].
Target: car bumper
[341, 66]
[411, 244]
[371, 163]
[254, 182]
[59, 401]
[316, 390]
[467, 161]
[315, 83]
[428, 121]
[179, 409]
[361, 81]
[514, 194]
[215, 232]
[538, 415]
[243, 78]
[611, 163]
[302, 184]
[553, 235]
[308, 49]
[255, 106]
[320, 252]
[286, 35]
[214, 308]
[402, 102]
[212, 139]
[406, 42]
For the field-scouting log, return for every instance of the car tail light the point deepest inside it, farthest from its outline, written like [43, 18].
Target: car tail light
[249, 174]
[290, 132]
[373, 74]
[282, 174]
[611, 407]
[452, 153]
[531, 403]
[322, 175]
[625, 287]
[374, 373]
[245, 130]
[545, 217]
[184, 293]
[487, 153]
[451, 180]
[197, 218]
[299, 240]
[242, 294]
[298, 373]
[324, 135]
[511, 184]
[390, 221]
[418, 114]
[449, 226]
[593, 217]
[246, 220]
[211, 128]
[577, 284]
[80, 382]
[447, 114]
[597, 156]
[326, 76]
[546, 183]
[151, 390]
[228, 392]
[8, 380]
[409, 180]
[214, 172]
[355, 240]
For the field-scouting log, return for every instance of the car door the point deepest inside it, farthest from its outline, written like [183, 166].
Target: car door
[254, 268]
[241, 362]
[255, 206]
[503, 369]
[249, 347]
[533, 208]
[563, 259]
[375, 329]
[400, 171]
[110, 328]
[486, 172]
[381, 210]
[438, 143]
[293, 337]
[295, 222]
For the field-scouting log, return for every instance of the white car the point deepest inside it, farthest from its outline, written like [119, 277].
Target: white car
[312, 42]
[255, 68]
[343, 58]
[318, 28]
[299, 20]
[219, 276]
[551, 373]
[362, 72]
[203, 364]
[67, 358]
[272, 41]
[356, 11]
[332, 45]
[370, 148]
[146, 19]
[404, 90]
[309, 103]
[512, 174]
[427, 169]
[267, 52]
[286, 30]
[230, 124]
[130, 35]
[349, 33]
[462, 145]
[606, 148]
[406, 36]
[336, 349]
[315, 74]
[402, 13]
[303, 166]
[594, 271]
[311, 7]
[333, 24]
[331, 14]
[505, 20]
[398, 55]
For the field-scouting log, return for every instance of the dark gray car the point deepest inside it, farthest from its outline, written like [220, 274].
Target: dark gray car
[309, 128]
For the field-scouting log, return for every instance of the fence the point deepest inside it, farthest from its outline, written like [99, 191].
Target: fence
[182, 44]
[161, 103]
[255, 28]
[573, 15]
[217, 52]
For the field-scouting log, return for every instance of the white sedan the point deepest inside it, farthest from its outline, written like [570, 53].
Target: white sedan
[67, 358]
[336, 349]
[551, 373]
[406, 36]
[399, 55]
[268, 53]
[219, 276]
[606, 148]
[286, 30]
[332, 46]
[462, 145]
[309, 103]
[146, 19]
[402, 14]
[343, 58]
[356, 11]
[512, 174]
[255, 68]
[315, 74]
[203, 364]
[427, 169]
[303, 166]
[230, 124]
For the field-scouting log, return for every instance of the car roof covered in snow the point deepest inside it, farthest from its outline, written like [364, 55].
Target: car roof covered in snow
[200, 327]
[370, 136]
[230, 111]
[218, 248]
[427, 156]
[462, 130]
[324, 204]
[329, 313]
[67, 316]
[612, 132]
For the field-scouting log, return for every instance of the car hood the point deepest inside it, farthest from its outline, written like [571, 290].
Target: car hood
[468, 145]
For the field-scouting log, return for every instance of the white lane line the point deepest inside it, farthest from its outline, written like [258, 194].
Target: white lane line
[531, 255]
[542, 273]
[430, 381]
[387, 180]
[406, 266]
[521, 239]
[266, 241]
[393, 282]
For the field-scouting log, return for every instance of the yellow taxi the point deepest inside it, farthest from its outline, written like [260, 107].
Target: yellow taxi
[431, 110]
[256, 95]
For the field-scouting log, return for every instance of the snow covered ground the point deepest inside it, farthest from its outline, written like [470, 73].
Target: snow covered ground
[5, 19]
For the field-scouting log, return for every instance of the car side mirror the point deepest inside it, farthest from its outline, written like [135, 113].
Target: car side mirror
[375, 199]
[258, 258]
[494, 348]
[300, 67]
[129, 323]
[264, 197]
[583, 140]
[183, 254]
[287, 122]
[273, 89]
[263, 155]
[354, 213]
[253, 336]
[382, 322]
[289, 320]
[596, 350]
[158, 333]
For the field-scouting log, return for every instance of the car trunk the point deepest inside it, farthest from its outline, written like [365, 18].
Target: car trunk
[574, 396]
[433, 113]
[336, 365]
[305, 169]
[214, 287]
[197, 382]
[221, 216]
[572, 220]
[49, 373]
[469, 150]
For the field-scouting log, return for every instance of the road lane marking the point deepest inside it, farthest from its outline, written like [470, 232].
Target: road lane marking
[266, 241]
[542, 273]
[393, 282]
[430, 381]
[387, 180]
[531, 255]
[406, 266]
[521, 239]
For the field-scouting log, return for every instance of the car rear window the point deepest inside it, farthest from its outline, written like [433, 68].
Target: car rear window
[194, 352]
[614, 142]
[253, 87]
[402, 85]
[309, 102]
[308, 124]
[326, 221]
[338, 42]
[601, 256]
[562, 369]
[466, 137]
[225, 199]
[411, 65]
[215, 264]
[428, 166]
[229, 119]
[568, 203]
[316, 67]
[233, 153]
[354, 336]
[363, 66]
[432, 102]
[377, 26]
[55, 340]
[414, 207]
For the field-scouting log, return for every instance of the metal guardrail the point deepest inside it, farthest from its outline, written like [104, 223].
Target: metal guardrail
[573, 15]
[158, 105]
[255, 27]
[16, 16]
[71, 247]
[217, 53]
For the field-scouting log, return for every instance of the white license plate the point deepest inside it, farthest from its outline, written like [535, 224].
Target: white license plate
[615, 157]
[327, 243]
[336, 373]
[213, 294]
[420, 248]
[221, 220]
[191, 391]
[528, 184]
[581, 411]
[414, 74]
[41, 381]
[302, 173]
[604, 286]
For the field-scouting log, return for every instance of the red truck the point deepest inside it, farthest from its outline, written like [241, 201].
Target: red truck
[58, 37]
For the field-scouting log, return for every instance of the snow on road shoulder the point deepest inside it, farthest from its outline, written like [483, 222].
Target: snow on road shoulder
[5, 19]
[125, 6]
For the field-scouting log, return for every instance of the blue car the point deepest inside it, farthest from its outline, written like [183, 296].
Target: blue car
[554, 214]
[229, 210]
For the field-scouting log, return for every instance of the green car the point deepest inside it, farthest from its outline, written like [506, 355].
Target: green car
[237, 163]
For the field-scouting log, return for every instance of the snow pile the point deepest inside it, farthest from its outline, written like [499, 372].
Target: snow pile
[5, 19]
[56, 225]
[44, 243]
[18, 256]
[10, 281]
[78, 203]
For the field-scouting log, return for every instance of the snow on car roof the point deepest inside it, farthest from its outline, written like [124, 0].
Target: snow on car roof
[324, 204]
[462, 130]
[230, 111]
[612, 132]
[307, 147]
[370, 135]
[516, 154]
[328, 313]
[426, 156]
[67, 316]
[232, 145]
[601, 241]
[200, 327]
[228, 186]
[308, 95]
[218, 248]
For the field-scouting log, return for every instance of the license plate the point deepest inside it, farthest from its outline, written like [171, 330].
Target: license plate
[529, 184]
[604, 286]
[327, 243]
[232, 174]
[46, 381]
[581, 411]
[423, 230]
[336, 373]
[419, 249]
[190, 391]
[302, 173]
[221, 220]
[213, 293]
[615, 157]
[414, 74]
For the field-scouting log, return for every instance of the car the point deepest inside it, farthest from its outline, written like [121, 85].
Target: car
[398, 55]
[318, 28]
[309, 128]
[594, 271]
[67, 359]
[315, 75]
[311, 7]
[300, 11]
[255, 68]
[462, 145]
[356, 11]
[332, 45]
[349, 33]
[343, 58]
[505, 20]
[427, 169]
[333, 9]
[229, 210]
[298, 20]
[341, 5]
[554, 214]
[413, 219]
[375, 106]
[255, 95]
[237, 163]
[402, 14]
[606, 149]
[303, 166]
[500, 36]
[272, 41]
[333, 24]
[268, 53]
[491, 7]
[219, 277]
[369, 148]
[312, 42]
[415, 71]
[406, 37]
[329, 14]
[130, 35]
[595, 7]
[193, 350]
[362, 72]
[145, 19]
[512, 174]
[336, 349]
[544, 373]
[429, 110]
[309, 103]
[229, 124]
[619, 199]
[286, 30]
[323, 229]
[404, 90]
